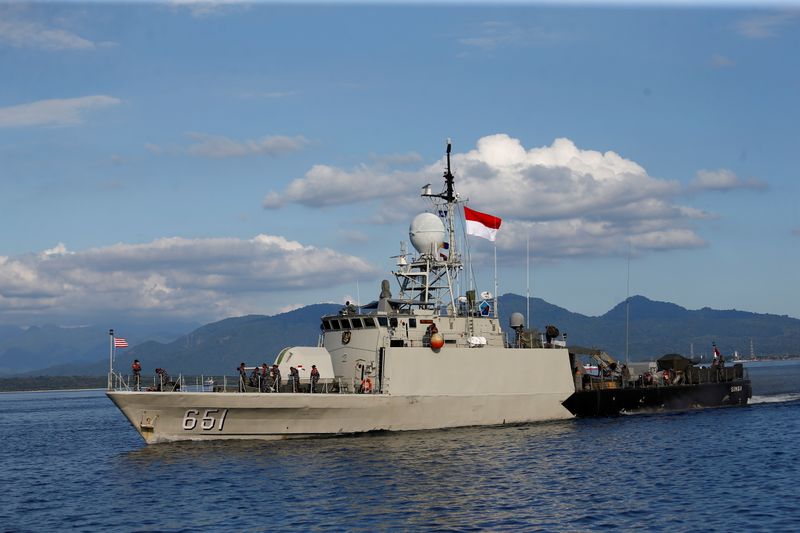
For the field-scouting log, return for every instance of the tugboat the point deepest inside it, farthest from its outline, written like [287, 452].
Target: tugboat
[428, 358]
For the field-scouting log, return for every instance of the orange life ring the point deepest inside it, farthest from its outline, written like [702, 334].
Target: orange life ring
[366, 386]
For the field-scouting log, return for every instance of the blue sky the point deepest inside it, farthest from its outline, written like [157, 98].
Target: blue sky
[196, 161]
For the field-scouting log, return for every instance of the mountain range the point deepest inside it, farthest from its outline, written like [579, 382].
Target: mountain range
[654, 328]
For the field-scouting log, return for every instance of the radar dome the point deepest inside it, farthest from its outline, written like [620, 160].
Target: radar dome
[426, 233]
[517, 320]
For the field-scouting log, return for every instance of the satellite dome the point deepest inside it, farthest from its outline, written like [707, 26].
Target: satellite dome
[517, 320]
[426, 233]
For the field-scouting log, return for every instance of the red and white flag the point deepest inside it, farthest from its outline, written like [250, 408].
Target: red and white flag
[119, 342]
[481, 224]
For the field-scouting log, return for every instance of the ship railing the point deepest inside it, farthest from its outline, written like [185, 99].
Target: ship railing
[205, 383]
[693, 376]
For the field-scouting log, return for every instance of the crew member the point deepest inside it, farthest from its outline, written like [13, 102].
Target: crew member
[429, 332]
[254, 377]
[551, 332]
[162, 378]
[276, 378]
[314, 378]
[136, 368]
[264, 377]
[626, 375]
[366, 385]
[578, 376]
[294, 378]
[242, 377]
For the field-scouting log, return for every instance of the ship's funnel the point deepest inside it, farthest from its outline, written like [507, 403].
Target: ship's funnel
[426, 233]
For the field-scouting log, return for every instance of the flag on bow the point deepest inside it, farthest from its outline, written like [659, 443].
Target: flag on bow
[481, 224]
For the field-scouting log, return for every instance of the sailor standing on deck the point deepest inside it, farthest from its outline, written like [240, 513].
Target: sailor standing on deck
[264, 377]
[314, 378]
[294, 378]
[276, 378]
[242, 377]
[136, 368]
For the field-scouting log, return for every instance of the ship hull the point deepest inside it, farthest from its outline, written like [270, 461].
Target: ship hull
[611, 402]
[171, 416]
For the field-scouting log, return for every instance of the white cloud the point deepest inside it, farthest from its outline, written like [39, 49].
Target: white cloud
[577, 202]
[21, 33]
[724, 180]
[221, 147]
[56, 112]
[324, 185]
[192, 278]
[766, 25]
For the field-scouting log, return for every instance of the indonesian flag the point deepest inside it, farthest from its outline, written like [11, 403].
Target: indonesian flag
[119, 342]
[716, 352]
[481, 224]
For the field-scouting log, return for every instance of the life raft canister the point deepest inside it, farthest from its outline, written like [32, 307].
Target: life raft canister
[437, 341]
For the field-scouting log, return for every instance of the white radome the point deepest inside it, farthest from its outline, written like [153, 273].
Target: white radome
[426, 233]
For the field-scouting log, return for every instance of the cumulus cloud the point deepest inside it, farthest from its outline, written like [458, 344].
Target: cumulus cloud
[724, 180]
[573, 201]
[192, 278]
[56, 112]
[21, 33]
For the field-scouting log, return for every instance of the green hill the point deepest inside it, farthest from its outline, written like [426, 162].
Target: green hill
[656, 328]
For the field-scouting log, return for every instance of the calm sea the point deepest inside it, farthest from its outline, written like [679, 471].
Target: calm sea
[70, 460]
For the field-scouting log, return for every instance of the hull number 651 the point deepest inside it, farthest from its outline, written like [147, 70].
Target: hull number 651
[211, 418]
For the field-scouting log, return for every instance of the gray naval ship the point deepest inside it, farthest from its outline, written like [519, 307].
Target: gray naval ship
[426, 358]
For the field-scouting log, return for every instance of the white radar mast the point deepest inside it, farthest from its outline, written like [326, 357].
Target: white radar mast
[427, 280]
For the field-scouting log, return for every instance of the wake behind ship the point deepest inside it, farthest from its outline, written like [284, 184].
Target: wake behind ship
[427, 358]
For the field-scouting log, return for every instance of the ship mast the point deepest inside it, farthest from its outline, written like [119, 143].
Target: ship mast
[428, 280]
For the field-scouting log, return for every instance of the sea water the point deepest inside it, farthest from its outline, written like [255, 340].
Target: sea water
[71, 460]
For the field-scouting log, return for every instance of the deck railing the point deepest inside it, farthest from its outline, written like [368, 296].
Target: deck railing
[203, 383]
[692, 376]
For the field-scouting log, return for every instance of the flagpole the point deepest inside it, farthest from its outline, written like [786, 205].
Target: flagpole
[628, 305]
[528, 282]
[110, 357]
[495, 281]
